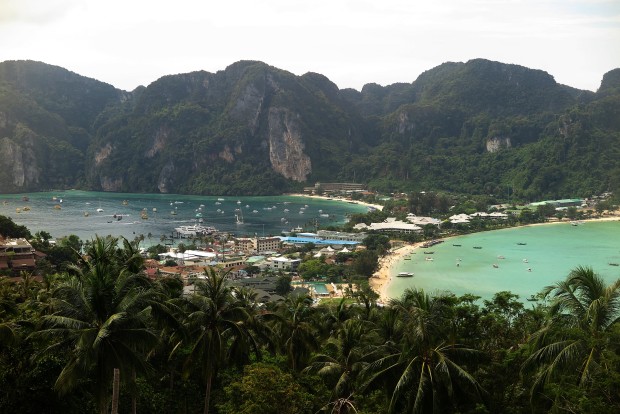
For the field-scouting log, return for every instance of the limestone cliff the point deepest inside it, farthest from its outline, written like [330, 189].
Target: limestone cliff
[286, 147]
[494, 144]
[18, 162]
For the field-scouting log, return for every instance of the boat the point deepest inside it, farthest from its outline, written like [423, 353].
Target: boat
[154, 209]
[144, 215]
[429, 252]
[25, 198]
[194, 230]
[521, 244]
[26, 208]
[407, 258]
[217, 203]
[614, 264]
[500, 257]
[57, 207]
[173, 213]
[456, 245]
[238, 201]
[477, 247]
[297, 229]
[324, 215]
[86, 214]
[286, 210]
[429, 259]
[239, 217]
[495, 265]
[18, 210]
[574, 223]
[525, 261]
[125, 202]
[405, 274]
[254, 211]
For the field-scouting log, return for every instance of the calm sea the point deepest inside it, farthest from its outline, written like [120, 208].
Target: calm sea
[527, 259]
[260, 215]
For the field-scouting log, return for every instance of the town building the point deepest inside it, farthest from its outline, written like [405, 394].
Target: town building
[338, 235]
[17, 255]
[390, 225]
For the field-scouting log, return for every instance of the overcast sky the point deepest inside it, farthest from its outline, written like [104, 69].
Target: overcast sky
[353, 42]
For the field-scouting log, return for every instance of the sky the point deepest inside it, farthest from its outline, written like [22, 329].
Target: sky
[128, 43]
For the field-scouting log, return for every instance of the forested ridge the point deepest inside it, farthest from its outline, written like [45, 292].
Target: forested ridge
[92, 333]
[479, 127]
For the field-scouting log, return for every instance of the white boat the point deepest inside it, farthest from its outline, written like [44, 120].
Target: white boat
[429, 259]
[324, 215]
[239, 216]
[286, 210]
[254, 211]
[405, 274]
[194, 230]
[99, 210]
[220, 199]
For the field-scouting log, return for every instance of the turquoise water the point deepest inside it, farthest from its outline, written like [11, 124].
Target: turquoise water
[551, 251]
[269, 218]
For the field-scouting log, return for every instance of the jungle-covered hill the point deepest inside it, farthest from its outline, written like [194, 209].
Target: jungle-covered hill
[474, 127]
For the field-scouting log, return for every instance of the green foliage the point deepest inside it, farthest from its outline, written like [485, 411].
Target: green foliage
[265, 388]
[11, 230]
[478, 127]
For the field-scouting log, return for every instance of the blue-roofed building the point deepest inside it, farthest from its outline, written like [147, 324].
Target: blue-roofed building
[317, 241]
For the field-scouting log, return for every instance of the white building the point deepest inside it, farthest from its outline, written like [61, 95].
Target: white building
[283, 263]
[391, 225]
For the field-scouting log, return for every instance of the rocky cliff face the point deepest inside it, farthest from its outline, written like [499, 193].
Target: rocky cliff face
[18, 163]
[496, 143]
[286, 147]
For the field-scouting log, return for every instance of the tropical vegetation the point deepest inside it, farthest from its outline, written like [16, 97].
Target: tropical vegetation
[93, 334]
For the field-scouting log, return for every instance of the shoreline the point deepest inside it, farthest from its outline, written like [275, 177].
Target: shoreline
[361, 203]
[382, 278]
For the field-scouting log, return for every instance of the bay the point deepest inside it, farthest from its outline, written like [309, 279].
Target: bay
[527, 259]
[262, 216]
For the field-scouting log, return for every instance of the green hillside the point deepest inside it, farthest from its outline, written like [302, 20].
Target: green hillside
[475, 127]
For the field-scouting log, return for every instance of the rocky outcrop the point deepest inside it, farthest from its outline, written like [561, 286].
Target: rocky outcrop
[286, 147]
[18, 163]
[111, 183]
[165, 181]
[159, 142]
[495, 144]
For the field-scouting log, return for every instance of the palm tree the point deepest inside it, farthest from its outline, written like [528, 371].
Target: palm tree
[215, 322]
[422, 367]
[343, 358]
[100, 319]
[295, 330]
[582, 313]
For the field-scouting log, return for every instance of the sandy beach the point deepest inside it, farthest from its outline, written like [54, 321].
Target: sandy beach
[382, 278]
[361, 203]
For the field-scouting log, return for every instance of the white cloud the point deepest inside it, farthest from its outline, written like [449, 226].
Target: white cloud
[134, 42]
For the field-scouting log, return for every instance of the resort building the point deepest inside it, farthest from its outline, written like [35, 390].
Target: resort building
[17, 254]
[568, 202]
[391, 225]
[283, 263]
[422, 221]
[337, 235]
[258, 245]
[335, 188]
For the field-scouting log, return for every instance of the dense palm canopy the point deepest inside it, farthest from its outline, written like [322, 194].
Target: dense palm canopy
[181, 352]
[100, 317]
[216, 325]
[423, 368]
[574, 343]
